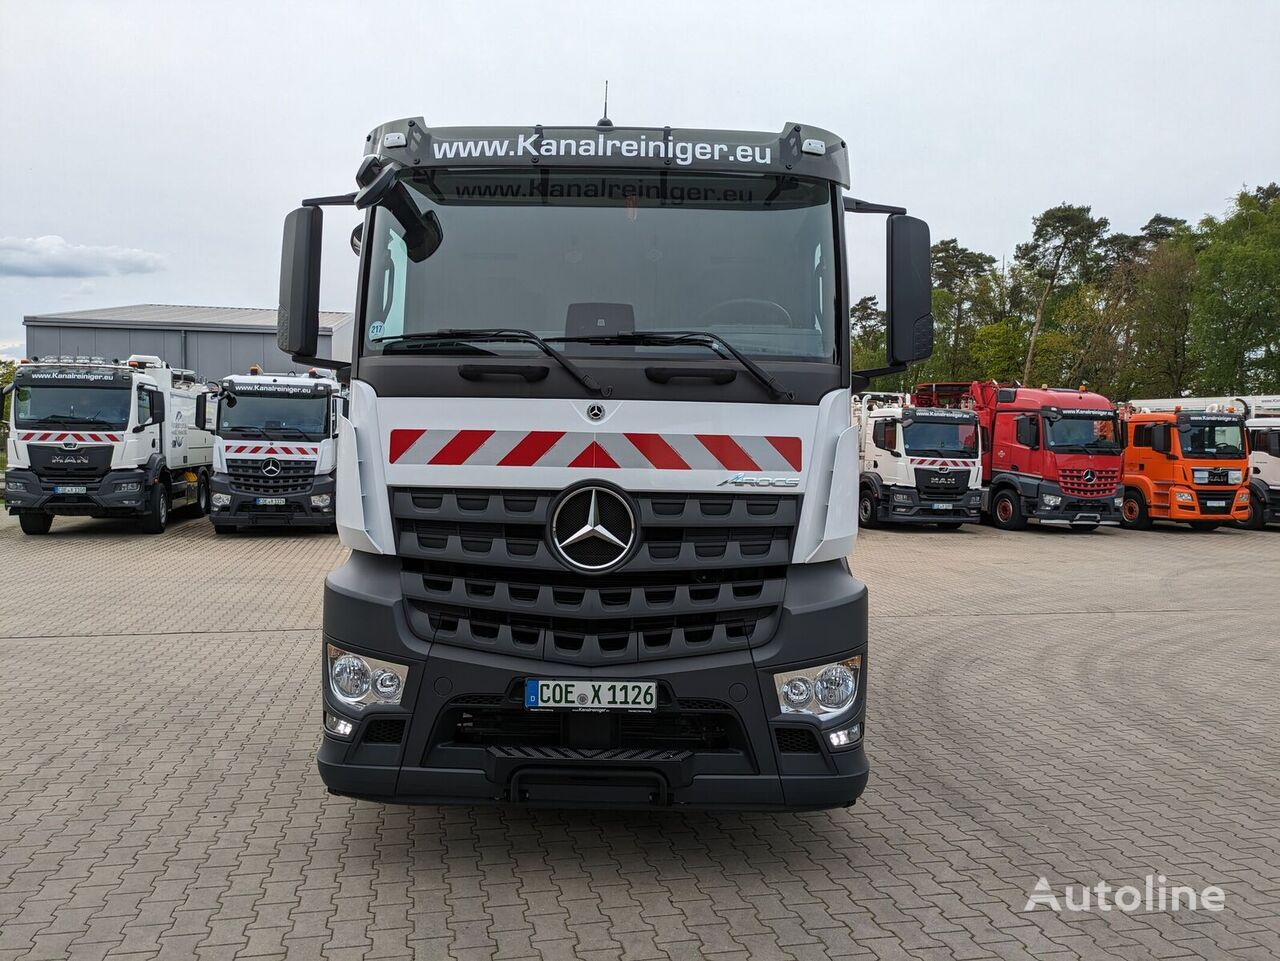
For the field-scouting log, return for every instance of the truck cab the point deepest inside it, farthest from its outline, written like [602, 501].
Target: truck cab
[1264, 472]
[1189, 466]
[597, 472]
[1050, 454]
[274, 459]
[96, 438]
[918, 465]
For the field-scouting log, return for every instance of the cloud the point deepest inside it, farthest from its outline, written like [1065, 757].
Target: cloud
[11, 350]
[52, 256]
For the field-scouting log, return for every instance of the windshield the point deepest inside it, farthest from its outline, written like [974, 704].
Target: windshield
[106, 407]
[956, 440]
[1083, 433]
[1211, 440]
[572, 253]
[273, 416]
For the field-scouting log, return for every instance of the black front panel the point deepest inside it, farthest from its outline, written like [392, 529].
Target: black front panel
[939, 485]
[1213, 502]
[58, 465]
[249, 477]
[708, 575]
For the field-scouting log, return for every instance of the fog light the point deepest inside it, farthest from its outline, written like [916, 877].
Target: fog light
[221, 500]
[338, 725]
[1119, 501]
[845, 736]
[1051, 500]
[129, 487]
[1242, 495]
[321, 500]
[1185, 497]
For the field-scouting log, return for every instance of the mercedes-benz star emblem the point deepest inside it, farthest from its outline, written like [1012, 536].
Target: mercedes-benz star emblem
[593, 529]
[1089, 477]
[595, 411]
[271, 467]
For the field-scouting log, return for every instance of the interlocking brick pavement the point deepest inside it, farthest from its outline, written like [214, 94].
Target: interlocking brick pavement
[1083, 707]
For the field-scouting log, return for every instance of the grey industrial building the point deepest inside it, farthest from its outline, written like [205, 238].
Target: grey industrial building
[212, 341]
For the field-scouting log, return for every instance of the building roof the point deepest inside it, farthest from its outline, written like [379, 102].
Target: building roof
[255, 319]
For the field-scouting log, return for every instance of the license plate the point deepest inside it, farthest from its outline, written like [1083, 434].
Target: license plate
[942, 507]
[585, 695]
[269, 501]
[70, 489]
[1215, 503]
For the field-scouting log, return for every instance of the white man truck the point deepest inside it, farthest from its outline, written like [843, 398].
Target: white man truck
[97, 438]
[919, 465]
[273, 458]
[1262, 424]
[597, 473]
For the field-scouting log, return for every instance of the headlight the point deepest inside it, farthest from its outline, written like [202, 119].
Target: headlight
[1185, 497]
[15, 486]
[221, 500]
[1199, 475]
[129, 487]
[822, 691]
[1242, 494]
[321, 500]
[1051, 500]
[1235, 476]
[902, 498]
[358, 680]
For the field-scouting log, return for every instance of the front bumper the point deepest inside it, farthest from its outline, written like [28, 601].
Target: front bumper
[1222, 505]
[907, 505]
[717, 740]
[102, 497]
[1072, 510]
[296, 511]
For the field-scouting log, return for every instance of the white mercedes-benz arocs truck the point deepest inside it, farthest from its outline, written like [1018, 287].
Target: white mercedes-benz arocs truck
[273, 456]
[918, 465]
[98, 438]
[596, 472]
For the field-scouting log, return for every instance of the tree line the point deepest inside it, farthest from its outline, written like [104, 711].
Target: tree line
[1176, 309]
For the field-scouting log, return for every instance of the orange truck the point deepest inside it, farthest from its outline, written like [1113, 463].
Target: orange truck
[1190, 466]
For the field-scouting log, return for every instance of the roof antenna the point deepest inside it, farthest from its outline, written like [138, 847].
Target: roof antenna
[605, 121]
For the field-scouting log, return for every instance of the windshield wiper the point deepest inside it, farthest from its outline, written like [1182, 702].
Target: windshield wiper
[73, 419]
[669, 338]
[511, 335]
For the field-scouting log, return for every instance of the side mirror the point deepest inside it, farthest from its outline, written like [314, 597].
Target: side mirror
[157, 407]
[1160, 440]
[1027, 432]
[909, 291]
[298, 319]
[203, 402]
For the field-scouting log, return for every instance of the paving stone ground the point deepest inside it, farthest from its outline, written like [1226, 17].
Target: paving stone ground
[1077, 707]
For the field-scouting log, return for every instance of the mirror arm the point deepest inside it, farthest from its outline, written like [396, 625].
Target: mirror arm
[329, 363]
[853, 205]
[338, 200]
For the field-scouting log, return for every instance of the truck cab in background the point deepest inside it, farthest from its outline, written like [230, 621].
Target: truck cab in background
[96, 438]
[1264, 470]
[917, 465]
[273, 459]
[1187, 460]
[1052, 454]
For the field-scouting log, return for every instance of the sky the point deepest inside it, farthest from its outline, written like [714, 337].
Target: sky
[150, 151]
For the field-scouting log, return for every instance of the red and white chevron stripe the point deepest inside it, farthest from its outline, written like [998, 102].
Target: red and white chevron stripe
[271, 450]
[577, 449]
[62, 437]
[939, 462]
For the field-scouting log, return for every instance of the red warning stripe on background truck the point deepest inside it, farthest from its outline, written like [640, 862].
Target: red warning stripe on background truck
[574, 449]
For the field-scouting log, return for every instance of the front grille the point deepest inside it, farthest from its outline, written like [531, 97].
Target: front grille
[295, 477]
[935, 485]
[1072, 481]
[708, 575]
[796, 740]
[1214, 476]
[56, 465]
[1221, 502]
[384, 731]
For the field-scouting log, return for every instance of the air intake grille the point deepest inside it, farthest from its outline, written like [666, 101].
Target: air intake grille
[1074, 482]
[384, 731]
[247, 477]
[796, 740]
[709, 575]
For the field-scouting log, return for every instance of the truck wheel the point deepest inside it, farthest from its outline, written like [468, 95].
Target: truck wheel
[867, 508]
[157, 515]
[1257, 518]
[1133, 512]
[35, 523]
[202, 495]
[1006, 511]
[1204, 525]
